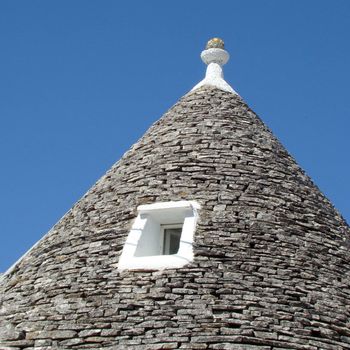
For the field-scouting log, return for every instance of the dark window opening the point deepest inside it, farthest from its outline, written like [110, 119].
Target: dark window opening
[171, 239]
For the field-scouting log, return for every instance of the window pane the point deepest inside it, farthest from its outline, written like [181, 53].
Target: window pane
[172, 240]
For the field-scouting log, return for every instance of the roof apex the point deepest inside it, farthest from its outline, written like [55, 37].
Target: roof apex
[215, 56]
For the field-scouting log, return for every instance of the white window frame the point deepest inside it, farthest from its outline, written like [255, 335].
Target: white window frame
[148, 223]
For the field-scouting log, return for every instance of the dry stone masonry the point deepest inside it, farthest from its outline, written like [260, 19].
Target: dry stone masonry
[271, 265]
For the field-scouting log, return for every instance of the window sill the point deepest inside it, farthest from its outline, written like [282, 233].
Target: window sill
[156, 262]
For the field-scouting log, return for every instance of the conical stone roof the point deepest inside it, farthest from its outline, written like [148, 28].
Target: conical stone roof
[271, 254]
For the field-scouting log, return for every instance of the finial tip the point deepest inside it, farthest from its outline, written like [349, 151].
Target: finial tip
[215, 43]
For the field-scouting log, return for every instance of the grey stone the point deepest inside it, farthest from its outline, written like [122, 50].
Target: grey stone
[271, 265]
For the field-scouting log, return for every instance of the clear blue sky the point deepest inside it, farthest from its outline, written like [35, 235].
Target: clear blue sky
[81, 81]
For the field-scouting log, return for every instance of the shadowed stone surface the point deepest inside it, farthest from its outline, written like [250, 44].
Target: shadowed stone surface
[272, 261]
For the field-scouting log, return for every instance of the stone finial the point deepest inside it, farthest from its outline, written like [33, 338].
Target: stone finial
[215, 56]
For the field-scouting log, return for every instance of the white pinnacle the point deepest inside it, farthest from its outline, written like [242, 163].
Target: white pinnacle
[215, 57]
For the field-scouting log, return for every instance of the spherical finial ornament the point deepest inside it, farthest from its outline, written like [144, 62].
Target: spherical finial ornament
[215, 43]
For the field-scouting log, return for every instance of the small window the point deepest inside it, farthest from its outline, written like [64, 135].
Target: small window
[171, 238]
[161, 236]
